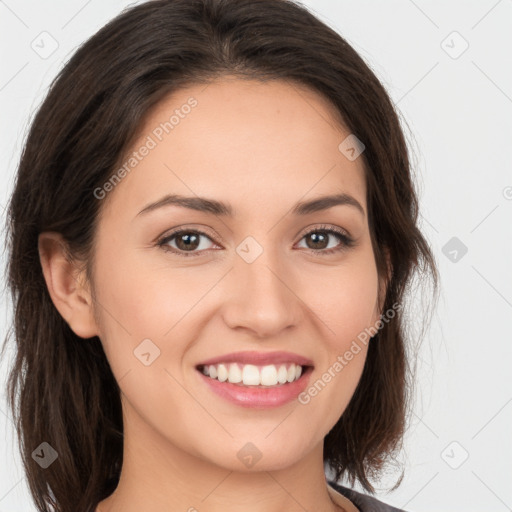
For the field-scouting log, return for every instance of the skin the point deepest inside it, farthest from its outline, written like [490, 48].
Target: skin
[181, 440]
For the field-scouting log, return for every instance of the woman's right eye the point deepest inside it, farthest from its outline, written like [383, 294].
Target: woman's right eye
[186, 241]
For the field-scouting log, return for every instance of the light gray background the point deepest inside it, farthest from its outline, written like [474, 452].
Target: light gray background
[459, 109]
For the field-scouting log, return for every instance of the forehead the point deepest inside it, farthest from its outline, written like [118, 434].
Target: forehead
[246, 142]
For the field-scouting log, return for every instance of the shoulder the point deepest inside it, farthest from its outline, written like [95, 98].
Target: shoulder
[364, 502]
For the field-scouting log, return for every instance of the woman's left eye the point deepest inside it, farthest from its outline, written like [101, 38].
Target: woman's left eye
[187, 241]
[320, 236]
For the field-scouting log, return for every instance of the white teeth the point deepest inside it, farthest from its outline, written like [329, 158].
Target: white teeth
[222, 373]
[269, 375]
[235, 374]
[282, 374]
[252, 375]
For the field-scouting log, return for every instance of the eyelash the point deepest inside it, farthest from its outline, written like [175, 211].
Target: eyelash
[347, 241]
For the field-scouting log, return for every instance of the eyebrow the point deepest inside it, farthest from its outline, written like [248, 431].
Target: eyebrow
[212, 206]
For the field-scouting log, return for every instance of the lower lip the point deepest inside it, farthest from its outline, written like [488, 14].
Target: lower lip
[258, 397]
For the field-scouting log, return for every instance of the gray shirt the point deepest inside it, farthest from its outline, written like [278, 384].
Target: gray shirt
[363, 502]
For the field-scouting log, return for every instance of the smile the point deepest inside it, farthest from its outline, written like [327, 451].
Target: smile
[253, 393]
[253, 375]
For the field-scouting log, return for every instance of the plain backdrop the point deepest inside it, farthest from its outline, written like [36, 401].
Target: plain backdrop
[447, 67]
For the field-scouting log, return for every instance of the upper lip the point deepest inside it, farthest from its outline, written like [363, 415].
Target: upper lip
[259, 358]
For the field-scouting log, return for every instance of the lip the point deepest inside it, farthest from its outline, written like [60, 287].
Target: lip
[258, 397]
[259, 358]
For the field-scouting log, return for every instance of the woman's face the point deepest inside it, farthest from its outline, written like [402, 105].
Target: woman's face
[254, 280]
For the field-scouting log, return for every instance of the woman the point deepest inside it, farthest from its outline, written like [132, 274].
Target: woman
[211, 233]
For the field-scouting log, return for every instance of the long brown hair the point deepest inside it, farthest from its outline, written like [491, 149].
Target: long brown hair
[61, 389]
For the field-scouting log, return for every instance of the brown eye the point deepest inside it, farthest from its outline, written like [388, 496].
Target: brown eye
[318, 240]
[187, 241]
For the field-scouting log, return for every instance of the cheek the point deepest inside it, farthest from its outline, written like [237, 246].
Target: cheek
[138, 300]
[345, 299]
[346, 307]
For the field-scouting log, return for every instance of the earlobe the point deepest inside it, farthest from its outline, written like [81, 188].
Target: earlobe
[67, 286]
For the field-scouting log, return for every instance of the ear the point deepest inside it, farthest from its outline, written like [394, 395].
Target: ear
[67, 285]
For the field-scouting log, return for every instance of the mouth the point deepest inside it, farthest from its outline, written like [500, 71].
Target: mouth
[253, 386]
[260, 380]
[255, 376]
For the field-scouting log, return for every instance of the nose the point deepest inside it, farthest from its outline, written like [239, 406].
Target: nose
[261, 298]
